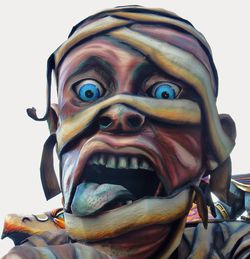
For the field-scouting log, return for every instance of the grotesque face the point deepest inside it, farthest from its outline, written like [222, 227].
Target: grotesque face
[136, 128]
[125, 153]
[122, 145]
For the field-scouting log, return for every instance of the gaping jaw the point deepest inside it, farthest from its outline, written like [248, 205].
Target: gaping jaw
[114, 185]
[111, 180]
[118, 185]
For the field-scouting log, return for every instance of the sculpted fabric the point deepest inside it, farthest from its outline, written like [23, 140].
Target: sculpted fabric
[141, 146]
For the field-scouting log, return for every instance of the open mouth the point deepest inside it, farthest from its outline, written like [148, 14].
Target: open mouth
[110, 181]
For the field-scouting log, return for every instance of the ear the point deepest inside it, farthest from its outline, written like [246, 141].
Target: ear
[53, 118]
[229, 128]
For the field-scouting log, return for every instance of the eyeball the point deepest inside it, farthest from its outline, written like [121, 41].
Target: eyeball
[164, 90]
[89, 90]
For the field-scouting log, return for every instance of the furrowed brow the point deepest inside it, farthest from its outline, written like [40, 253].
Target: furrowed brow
[98, 64]
[144, 71]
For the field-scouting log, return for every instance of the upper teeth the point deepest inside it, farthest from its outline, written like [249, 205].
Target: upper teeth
[120, 162]
[134, 163]
[102, 160]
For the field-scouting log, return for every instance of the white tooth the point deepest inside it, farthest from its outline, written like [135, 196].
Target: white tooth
[94, 160]
[144, 165]
[133, 163]
[123, 163]
[102, 159]
[129, 202]
[111, 163]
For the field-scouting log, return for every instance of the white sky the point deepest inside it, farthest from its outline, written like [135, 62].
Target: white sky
[31, 30]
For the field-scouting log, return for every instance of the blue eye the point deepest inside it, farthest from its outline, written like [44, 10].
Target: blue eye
[165, 91]
[89, 90]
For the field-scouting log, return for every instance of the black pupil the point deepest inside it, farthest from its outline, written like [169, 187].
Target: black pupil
[165, 95]
[89, 93]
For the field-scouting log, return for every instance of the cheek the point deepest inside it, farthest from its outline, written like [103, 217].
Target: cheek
[68, 164]
[182, 152]
[68, 104]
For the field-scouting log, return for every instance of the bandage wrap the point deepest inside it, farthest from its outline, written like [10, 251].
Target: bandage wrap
[190, 62]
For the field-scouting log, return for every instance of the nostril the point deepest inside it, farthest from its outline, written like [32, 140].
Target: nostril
[135, 121]
[105, 122]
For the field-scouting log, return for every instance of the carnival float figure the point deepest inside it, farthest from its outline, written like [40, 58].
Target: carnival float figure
[141, 147]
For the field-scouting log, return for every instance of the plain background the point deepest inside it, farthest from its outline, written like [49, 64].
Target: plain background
[31, 30]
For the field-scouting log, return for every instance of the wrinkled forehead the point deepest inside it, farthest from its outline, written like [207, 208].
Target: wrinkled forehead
[102, 53]
[170, 43]
[152, 32]
[182, 49]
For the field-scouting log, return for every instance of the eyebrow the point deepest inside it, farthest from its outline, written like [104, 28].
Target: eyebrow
[94, 63]
[144, 71]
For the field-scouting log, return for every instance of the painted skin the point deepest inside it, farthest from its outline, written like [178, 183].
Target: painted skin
[175, 151]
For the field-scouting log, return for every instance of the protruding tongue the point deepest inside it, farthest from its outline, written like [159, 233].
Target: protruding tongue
[90, 198]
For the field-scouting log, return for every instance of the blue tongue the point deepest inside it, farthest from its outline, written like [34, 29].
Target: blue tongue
[90, 198]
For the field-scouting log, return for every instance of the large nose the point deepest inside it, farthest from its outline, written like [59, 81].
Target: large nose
[120, 118]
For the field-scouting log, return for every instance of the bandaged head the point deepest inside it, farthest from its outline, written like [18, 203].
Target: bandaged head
[136, 126]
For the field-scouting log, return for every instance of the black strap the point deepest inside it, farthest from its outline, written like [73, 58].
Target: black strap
[47, 173]
[32, 111]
